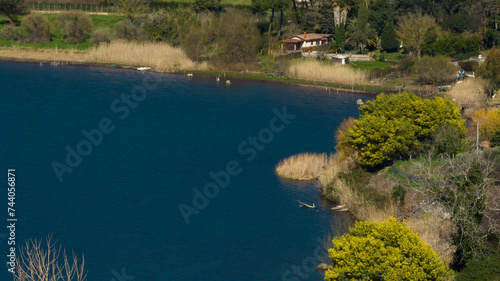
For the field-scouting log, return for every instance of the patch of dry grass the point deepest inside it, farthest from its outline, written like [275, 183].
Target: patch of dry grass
[304, 166]
[317, 71]
[470, 92]
[435, 231]
[159, 56]
[67, 55]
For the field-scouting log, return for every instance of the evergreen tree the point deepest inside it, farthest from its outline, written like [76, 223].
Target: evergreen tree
[389, 42]
[362, 26]
[340, 37]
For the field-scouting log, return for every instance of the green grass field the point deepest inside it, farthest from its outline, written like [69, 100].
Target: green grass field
[223, 2]
[56, 41]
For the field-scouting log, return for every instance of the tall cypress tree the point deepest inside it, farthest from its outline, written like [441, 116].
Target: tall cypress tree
[362, 25]
[388, 39]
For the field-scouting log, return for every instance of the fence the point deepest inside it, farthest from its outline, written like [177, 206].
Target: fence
[61, 7]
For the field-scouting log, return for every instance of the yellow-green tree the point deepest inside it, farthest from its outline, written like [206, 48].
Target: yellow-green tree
[393, 126]
[411, 30]
[384, 251]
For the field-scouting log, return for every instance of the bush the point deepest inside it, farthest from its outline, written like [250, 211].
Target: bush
[448, 139]
[76, 26]
[435, 70]
[394, 126]
[490, 69]
[101, 35]
[481, 269]
[399, 193]
[384, 251]
[489, 121]
[460, 46]
[10, 32]
[167, 26]
[126, 30]
[495, 138]
[37, 28]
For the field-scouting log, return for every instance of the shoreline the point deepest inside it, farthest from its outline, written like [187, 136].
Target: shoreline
[372, 91]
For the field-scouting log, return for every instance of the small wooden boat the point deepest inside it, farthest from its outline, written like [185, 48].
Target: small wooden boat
[144, 68]
[302, 204]
[340, 208]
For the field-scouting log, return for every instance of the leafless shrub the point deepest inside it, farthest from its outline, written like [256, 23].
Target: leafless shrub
[76, 26]
[126, 30]
[37, 27]
[462, 186]
[435, 70]
[10, 32]
[101, 35]
[44, 261]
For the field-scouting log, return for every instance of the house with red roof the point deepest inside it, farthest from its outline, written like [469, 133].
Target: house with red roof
[306, 40]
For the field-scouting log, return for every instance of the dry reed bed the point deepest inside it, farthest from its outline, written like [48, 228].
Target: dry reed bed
[317, 71]
[44, 54]
[469, 92]
[304, 166]
[159, 56]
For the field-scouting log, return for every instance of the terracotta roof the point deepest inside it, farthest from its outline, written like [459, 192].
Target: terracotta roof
[292, 40]
[312, 36]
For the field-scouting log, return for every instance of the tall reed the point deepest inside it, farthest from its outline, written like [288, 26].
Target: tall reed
[159, 56]
[304, 166]
[317, 71]
[470, 92]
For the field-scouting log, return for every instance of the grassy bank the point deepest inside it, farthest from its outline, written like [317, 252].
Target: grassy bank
[56, 41]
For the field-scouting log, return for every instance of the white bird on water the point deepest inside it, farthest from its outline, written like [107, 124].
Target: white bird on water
[190, 74]
[217, 78]
[228, 82]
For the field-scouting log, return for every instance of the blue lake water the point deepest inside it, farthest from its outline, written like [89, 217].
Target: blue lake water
[119, 205]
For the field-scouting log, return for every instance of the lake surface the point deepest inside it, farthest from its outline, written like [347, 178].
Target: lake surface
[141, 157]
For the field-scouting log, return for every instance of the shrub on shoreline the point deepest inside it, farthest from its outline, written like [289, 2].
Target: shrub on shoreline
[384, 251]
